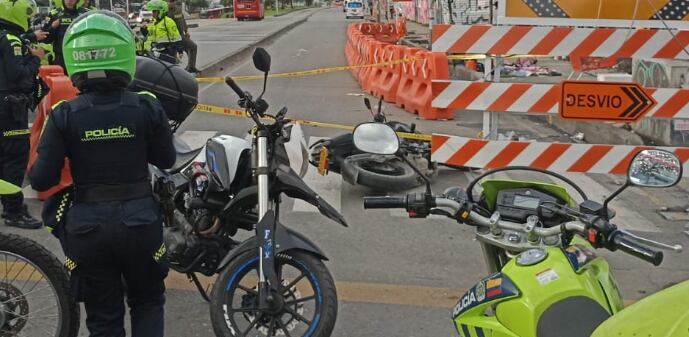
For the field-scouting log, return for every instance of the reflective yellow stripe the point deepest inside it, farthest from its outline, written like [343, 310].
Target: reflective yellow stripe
[160, 253]
[57, 104]
[71, 265]
[12, 133]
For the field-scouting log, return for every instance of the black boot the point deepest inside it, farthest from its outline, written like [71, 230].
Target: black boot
[22, 219]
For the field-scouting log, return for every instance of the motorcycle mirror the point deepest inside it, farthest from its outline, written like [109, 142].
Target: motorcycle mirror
[654, 168]
[380, 106]
[376, 138]
[261, 60]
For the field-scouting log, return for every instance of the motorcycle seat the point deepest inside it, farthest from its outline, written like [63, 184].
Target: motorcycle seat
[185, 155]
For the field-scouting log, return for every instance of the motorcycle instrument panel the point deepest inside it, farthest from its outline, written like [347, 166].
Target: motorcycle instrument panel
[519, 203]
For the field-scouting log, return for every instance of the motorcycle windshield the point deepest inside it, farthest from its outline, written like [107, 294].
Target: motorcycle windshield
[662, 314]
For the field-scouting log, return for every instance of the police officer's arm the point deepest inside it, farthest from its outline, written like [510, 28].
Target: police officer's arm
[18, 66]
[48, 27]
[46, 170]
[161, 151]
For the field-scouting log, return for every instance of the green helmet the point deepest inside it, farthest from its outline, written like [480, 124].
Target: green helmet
[18, 12]
[157, 5]
[99, 41]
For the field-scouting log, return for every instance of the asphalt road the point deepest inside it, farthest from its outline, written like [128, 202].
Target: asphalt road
[395, 276]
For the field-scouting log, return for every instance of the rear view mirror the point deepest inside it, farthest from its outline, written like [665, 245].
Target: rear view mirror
[376, 138]
[261, 60]
[655, 168]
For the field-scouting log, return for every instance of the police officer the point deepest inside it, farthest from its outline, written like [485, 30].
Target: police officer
[164, 32]
[18, 70]
[177, 14]
[57, 23]
[113, 230]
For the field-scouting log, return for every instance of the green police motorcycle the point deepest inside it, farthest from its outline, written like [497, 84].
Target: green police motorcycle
[34, 288]
[545, 277]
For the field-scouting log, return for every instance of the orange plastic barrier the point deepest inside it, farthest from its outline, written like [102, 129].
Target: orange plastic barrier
[407, 84]
[61, 88]
[386, 84]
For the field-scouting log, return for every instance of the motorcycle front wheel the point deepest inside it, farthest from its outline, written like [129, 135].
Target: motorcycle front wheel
[34, 291]
[380, 172]
[306, 305]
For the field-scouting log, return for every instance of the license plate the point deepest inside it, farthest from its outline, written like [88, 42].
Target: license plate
[323, 162]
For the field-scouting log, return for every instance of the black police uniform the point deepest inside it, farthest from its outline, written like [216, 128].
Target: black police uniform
[17, 81]
[65, 16]
[113, 229]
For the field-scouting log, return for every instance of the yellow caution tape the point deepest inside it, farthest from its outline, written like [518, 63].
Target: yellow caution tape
[240, 113]
[313, 72]
[321, 71]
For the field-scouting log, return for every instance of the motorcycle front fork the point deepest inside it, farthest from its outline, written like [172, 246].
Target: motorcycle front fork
[267, 278]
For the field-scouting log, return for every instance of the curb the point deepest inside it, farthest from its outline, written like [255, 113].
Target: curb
[229, 60]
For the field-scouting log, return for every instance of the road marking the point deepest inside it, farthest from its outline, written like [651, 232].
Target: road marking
[363, 292]
[329, 187]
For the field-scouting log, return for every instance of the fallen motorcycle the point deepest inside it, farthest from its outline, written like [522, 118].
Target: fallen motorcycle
[379, 172]
[546, 280]
[34, 288]
[275, 282]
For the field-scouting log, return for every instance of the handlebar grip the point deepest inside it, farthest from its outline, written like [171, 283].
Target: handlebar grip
[624, 243]
[385, 202]
[230, 82]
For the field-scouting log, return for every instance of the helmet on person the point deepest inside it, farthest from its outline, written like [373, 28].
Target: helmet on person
[157, 5]
[17, 12]
[99, 43]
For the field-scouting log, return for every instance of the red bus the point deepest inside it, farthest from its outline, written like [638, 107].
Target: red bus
[248, 9]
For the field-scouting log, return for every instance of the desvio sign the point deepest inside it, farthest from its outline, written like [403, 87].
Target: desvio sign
[607, 101]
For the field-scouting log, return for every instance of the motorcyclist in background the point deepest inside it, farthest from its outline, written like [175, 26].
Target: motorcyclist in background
[18, 71]
[163, 33]
[113, 230]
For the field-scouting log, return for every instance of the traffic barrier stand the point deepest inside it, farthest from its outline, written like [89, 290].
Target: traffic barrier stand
[367, 53]
[385, 86]
[539, 98]
[557, 157]
[60, 88]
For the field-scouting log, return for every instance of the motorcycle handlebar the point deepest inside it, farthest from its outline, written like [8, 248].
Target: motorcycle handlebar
[232, 84]
[385, 202]
[620, 240]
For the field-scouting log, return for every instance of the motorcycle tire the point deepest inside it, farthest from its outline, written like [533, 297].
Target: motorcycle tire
[381, 173]
[56, 275]
[229, 283]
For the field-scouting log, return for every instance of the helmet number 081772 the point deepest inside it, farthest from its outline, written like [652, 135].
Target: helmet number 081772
[94, 54]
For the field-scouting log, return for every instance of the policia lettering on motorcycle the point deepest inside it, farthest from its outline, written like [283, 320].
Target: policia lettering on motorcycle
[17, 82]
[113, 229]
[163, 34]
[57, 23]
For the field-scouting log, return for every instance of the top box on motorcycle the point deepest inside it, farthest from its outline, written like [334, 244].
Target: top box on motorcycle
[176, 89]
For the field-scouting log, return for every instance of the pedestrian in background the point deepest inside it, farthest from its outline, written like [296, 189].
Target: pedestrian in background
[176, 13]
[18, 71]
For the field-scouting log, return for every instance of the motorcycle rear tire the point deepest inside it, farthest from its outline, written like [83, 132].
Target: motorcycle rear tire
[362, 166]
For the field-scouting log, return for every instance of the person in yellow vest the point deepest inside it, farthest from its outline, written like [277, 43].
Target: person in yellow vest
[163, 34]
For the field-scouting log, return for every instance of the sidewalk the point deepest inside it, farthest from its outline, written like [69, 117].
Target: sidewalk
[220, 40]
